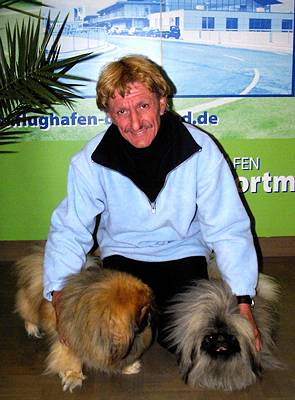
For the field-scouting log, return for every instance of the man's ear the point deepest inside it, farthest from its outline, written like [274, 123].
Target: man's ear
[163, 104]
[108, 114]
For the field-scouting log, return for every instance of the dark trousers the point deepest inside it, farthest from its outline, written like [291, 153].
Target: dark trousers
[166, 279]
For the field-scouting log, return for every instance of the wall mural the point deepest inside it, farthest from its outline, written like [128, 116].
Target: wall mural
[232, 62]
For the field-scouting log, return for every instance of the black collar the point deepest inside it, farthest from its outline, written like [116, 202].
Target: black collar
[147, 167]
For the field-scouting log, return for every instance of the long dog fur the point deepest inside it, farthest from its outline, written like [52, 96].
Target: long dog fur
[105, 316]
[209, 308]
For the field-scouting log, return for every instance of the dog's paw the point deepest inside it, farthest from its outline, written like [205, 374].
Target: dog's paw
[92, 262]
[71, 379]
[132, 368]
[33, 330]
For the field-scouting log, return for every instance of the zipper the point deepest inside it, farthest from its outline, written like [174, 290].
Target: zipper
[153, 206]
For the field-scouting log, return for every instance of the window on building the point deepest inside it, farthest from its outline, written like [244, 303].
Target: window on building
[232, 5]
[287, 25]
[223, 5]
[231, 24]
[208, 23]
[259, 24]
[212, 5]
[243, 5]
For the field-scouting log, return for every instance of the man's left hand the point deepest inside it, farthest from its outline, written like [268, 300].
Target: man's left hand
[246, 311]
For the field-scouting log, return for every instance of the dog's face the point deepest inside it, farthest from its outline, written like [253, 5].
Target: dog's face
[135, 327]
[220, 342]
[220, 345]
[143, 318]
[218, 360]
[130, 311]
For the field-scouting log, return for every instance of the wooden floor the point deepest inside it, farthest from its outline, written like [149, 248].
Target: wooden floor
[22, 359]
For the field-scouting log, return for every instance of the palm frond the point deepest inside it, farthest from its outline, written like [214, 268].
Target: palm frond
[9, 5]
[9, 136]
[32, 77]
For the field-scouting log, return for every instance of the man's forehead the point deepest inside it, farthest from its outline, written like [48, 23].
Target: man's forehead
[133, 89]
[137, 93]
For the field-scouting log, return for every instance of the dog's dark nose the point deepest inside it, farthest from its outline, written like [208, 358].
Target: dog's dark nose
[220, 338]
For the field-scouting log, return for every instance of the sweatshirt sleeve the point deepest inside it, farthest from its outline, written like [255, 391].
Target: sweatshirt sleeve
[225, 225]
[72, 224]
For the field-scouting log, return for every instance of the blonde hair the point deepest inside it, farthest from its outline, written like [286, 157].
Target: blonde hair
[118, 75]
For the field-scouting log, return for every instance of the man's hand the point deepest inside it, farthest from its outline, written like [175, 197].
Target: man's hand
[246, 311]
[56, 296]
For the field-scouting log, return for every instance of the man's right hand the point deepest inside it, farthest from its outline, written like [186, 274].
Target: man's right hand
[56, 297]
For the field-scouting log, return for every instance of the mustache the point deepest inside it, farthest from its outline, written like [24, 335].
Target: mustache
[143, 125]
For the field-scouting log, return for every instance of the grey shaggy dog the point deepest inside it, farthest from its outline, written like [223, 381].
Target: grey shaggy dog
[214, 343]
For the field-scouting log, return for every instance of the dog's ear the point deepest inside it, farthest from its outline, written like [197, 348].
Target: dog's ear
[143, 318]
[255, 365]
[129, 315]
[121, 336]
[125, 326]
[189, 364]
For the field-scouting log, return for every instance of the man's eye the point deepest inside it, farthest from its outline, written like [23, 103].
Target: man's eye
[144, 106]
[121, 112]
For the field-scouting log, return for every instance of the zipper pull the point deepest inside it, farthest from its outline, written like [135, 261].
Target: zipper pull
[153, 206]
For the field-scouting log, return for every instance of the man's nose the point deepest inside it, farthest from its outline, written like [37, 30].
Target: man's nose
[135, 120]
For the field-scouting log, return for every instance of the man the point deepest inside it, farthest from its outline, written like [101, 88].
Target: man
[164, 193]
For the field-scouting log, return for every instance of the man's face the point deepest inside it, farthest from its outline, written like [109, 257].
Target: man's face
[137, 114]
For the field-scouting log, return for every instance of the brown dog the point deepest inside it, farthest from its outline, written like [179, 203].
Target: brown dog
[105, 315]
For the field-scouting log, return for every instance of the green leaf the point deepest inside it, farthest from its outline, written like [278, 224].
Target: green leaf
[32, 78]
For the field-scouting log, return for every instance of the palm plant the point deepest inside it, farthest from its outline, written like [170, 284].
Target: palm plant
[33, 78]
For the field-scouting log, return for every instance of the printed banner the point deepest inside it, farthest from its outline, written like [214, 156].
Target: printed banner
[232, 63]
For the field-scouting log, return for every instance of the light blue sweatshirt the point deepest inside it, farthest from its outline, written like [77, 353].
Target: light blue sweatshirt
[197, 211]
